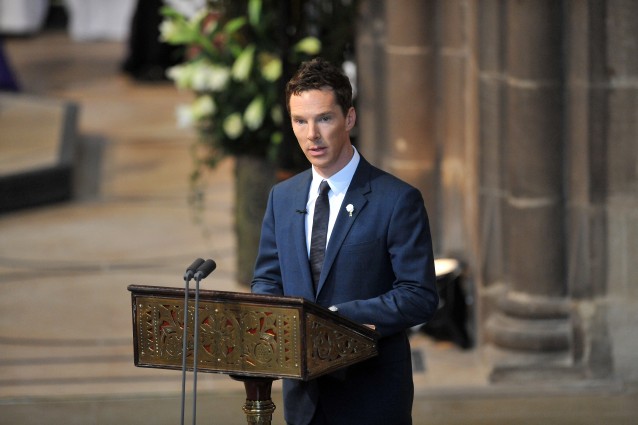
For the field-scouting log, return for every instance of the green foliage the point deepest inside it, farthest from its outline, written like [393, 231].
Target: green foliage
[233, 66]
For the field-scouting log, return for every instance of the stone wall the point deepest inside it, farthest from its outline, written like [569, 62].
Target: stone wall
[519, 122]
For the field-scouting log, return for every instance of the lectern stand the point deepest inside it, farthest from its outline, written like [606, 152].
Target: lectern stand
[253, 338]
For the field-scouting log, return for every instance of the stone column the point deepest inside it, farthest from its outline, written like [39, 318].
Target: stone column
[602, 71]
[410, 94]
[532, 323]
[586, 131]
[587, 111]
[621, 159]
[491, 191]
[457, 138]
[371, 81]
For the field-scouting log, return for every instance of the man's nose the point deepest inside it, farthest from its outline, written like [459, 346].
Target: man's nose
[313, 133]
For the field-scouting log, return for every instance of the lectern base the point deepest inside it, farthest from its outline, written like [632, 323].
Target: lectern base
[259, 406]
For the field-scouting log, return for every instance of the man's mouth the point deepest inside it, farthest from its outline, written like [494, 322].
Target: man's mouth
[316, 150]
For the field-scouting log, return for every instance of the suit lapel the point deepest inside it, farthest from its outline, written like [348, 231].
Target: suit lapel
[359, 187]
[298, 228]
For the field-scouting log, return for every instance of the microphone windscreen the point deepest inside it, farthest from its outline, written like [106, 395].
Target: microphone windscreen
[195, 265]
[190, 270]
[205, 269]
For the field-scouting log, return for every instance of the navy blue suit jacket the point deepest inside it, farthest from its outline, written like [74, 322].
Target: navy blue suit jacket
[378, 269]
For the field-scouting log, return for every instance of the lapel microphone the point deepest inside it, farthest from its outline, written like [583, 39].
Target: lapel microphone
[301, 211]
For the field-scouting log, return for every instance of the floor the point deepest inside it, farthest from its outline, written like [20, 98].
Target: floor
[65, 333]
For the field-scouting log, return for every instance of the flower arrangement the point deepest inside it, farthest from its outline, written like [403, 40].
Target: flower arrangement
[233, 66]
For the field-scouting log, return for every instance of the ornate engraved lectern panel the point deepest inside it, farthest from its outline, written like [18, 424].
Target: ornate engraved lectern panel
[245, 334]
[232, 338]
[330, 346]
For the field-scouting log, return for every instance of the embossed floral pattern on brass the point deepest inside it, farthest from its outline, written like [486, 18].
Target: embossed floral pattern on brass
[233, 338]
[330, 346]
[245, 334]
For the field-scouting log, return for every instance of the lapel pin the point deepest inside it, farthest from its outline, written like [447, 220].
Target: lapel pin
[350, 209]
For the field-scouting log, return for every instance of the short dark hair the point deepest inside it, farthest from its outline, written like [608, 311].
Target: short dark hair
[318, 74]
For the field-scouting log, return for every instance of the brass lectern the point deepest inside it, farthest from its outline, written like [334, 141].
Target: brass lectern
[253, 338]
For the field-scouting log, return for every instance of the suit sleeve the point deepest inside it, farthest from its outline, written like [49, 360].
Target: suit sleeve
[267, 276]
[412, 297]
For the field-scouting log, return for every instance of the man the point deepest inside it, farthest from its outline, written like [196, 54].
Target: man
[378, 267]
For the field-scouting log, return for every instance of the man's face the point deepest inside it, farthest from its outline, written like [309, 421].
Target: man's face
[323, 132]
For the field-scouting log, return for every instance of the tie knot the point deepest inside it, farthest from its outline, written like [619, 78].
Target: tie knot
[324, 187]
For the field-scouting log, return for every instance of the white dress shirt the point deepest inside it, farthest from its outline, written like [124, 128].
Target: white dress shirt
[339, 183]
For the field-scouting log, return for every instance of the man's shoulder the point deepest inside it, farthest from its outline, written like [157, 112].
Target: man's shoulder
[292, 185]
[381, 179]
[297, 180]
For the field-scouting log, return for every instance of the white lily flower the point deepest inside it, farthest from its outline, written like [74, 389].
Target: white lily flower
[254, 113]
[187, 8]
[309, 45]
[168, 31]
[272, 68]
[199, 76]
[197, 17]
[243, 64]
[209, 77]
[203, 107]
[233, 126]
[218, 78]
[182, 75]
[184, 116]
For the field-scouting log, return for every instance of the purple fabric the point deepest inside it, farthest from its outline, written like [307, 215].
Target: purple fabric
[7, 79]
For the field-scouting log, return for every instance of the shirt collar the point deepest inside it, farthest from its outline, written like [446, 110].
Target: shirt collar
[339, 181]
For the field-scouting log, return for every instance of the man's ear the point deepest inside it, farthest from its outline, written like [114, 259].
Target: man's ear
[351, 118]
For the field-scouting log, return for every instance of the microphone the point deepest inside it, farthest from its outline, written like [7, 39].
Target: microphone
[205, 269]
[301, 211]
[188, 275]
[190, 271]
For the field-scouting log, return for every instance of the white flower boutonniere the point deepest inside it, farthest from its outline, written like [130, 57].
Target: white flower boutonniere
[350, 209]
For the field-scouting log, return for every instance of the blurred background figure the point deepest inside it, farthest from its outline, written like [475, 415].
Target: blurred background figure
[18, 17]
[8, 81]
[148, 57]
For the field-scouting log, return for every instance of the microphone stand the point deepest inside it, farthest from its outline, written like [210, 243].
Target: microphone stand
[199, 270]
[190, 271]
[198, 277]
[184, 348]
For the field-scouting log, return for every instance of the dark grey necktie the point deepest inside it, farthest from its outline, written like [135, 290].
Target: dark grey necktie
[319, 232]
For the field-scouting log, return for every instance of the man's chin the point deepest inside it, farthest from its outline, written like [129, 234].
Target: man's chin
[316, 160]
